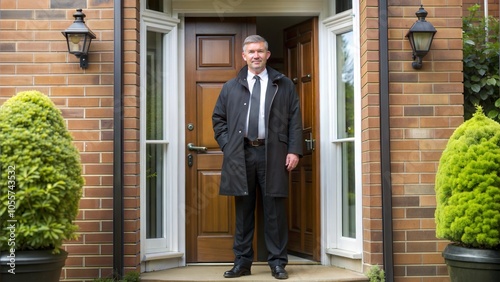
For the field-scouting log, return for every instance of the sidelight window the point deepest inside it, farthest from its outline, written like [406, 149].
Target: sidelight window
[345, 131]
[155, 146]
[343, 149]
[159, 194]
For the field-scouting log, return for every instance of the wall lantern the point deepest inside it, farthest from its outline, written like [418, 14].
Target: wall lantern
[420, 36]
[78, 36]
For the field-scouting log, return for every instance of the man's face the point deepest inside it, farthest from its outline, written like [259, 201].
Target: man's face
[256, 55]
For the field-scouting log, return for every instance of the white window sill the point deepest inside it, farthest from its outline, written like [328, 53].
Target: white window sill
[160, 256]
[344, 253]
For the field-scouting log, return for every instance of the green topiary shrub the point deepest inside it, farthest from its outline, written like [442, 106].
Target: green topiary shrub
[468, 185]
[41, 170]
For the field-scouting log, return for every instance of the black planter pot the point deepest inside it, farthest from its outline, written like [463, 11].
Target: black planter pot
[38, 266]
[472, 265]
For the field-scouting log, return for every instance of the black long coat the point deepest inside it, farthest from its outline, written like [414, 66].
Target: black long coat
[283, 132]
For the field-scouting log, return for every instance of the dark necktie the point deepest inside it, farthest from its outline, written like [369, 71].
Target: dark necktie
[253, 120]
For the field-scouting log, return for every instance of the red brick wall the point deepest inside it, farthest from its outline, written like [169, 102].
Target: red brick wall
[131, 103]
[372, 202]
[426, 105]
[33, 55]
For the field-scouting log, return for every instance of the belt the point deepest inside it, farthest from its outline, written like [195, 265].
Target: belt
[255, 143]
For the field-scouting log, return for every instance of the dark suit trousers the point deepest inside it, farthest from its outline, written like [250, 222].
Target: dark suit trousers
[275, 217]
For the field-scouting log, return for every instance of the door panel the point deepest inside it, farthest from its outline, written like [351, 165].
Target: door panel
[213, 56]
[206, 96]
[304, 208]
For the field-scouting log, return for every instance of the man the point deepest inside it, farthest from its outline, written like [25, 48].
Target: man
[261, 145]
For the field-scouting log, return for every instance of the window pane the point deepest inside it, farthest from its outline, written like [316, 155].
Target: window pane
[154, 87]
[154, 190]
[342, 5]
[345, 85]
[155, 5]
[345, 129]
[348, 191]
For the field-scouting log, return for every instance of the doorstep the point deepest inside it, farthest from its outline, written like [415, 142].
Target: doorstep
[201, 273]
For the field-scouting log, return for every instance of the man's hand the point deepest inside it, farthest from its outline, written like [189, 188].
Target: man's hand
[292, 160]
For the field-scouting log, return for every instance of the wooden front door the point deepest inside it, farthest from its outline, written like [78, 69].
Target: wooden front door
[301, 63]
[213, 56]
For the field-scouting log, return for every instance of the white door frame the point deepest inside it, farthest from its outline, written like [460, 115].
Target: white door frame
[226, 8]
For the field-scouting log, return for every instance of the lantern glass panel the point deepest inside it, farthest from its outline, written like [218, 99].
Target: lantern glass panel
[86, 43]
[76, 42]
[422, 41]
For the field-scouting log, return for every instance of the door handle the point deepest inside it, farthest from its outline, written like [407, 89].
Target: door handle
[310, 143]
[192, 147]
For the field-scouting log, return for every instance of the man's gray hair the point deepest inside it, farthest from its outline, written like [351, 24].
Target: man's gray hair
[255, 39]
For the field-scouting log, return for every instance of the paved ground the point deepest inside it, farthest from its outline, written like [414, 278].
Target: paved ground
[212, 273]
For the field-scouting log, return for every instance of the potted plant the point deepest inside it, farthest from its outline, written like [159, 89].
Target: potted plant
[468, 200]
[376, 274]
[40, 172]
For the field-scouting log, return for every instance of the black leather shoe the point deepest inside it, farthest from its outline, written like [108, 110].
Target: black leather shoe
[237, 271]
[279, 272]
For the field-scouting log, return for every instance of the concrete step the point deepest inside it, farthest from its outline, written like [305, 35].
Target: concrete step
[201, 273]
